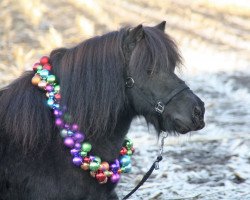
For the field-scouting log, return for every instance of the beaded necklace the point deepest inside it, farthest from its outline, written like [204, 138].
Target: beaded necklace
[73, 138]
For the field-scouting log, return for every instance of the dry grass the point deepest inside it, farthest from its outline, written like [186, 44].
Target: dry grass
[29, 29]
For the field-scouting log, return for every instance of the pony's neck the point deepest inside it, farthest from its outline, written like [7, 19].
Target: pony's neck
[108, 146]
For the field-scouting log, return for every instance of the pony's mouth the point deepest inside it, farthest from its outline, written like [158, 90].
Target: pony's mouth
[181, 127]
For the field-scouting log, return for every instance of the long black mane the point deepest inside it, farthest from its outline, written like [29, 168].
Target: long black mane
[92, 79]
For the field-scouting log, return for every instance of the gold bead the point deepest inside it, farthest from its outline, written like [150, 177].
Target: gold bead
[35, 80]
[85, 166]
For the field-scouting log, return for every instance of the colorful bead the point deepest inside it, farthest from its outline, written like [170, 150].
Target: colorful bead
[74, 152]
[85, 166]
[123, 151]
[42, 84]
[125, 160]
[105, 181]
[70, 133]
[49, 88]
[64, 133]
[83, 153]
[100, 177]
[75, 127]
[86, 147]
[44, 73]
[59, 122]
[77, 161]
[104, 166]
[57, 113]
[51, 78]
[57, 88]
[69, 142]
[35, 66]
[115, 178]
[86, 159]
[44, 60]
[79, 137]
[78, 145]
[47, 67]
[36, 80]
[57, 96]
[94, 166]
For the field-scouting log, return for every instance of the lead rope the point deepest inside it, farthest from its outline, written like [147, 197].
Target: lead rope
[155, 166]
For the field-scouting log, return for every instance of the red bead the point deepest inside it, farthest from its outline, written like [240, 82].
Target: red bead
[35, 66]
[57, 96]
[44, 60]
[86, 159]
[100, 177]
[123, 151]
[47, 66]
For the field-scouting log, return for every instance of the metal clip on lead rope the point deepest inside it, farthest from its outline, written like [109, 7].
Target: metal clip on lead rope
[155, 166]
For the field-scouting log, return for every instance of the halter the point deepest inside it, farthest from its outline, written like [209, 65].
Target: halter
[158, 105]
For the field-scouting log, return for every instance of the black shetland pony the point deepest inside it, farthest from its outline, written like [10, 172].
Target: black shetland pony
[35, 165]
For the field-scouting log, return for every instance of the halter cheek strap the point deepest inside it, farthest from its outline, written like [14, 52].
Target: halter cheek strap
[159, 106]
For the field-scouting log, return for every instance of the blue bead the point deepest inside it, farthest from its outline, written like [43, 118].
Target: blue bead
[70, 133]
[50, 102]
[56, 106]
[51, 94]
[125, 160]
[44, 73]
[128, 168]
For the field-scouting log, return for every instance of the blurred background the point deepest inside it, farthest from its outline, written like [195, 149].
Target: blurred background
[214, 38]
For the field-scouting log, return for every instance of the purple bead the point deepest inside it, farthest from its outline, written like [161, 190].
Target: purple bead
[115, 178]
[67, 126]
[49, 88]
[74, 152]
[69, 142]
[59, 122]
[114, 167]
[77, 161]
[57, 113]
[75, 127]
[92, 158]
[78, 146]
[79, 137]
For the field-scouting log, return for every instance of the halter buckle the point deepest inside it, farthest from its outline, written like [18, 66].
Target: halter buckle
[159, 107]
[129, 82]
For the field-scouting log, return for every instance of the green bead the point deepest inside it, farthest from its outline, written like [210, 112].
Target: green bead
[107, 173]
[39, 67]
[67, 118]
[98, 159]
[129, 152]
[63, 133]
[83, 153]
[129, 144]
[57, 88]
[51, 78]
[94, 166]
[86, 147]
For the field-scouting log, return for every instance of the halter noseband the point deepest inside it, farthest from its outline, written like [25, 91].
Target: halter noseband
[159, 106]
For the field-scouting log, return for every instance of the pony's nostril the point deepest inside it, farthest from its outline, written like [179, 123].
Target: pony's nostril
[197, 112]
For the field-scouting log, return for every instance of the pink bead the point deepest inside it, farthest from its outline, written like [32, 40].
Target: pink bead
[57, 113]
[69, 142]
[75, 127]
[59, 122]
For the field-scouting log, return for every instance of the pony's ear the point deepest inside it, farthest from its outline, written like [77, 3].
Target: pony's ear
[161, 26]
[134, 35]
